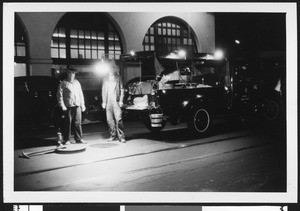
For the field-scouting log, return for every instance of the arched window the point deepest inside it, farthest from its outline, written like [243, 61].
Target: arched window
[21, 49]
[168, 35]
[84, 37]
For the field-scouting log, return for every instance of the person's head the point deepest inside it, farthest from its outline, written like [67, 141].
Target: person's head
[71, 73]
[114, 69]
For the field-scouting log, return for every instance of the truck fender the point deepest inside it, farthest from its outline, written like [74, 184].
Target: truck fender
[188, 105]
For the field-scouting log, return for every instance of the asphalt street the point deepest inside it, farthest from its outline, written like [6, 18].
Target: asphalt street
[234, 157]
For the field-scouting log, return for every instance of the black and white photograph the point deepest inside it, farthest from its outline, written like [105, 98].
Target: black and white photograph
[97, 207]
[150, 102]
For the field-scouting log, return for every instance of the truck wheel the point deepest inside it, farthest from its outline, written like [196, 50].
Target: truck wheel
[271, 110]
[199, 121]
[147, 123]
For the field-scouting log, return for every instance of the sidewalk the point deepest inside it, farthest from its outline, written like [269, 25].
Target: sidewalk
[139, 141]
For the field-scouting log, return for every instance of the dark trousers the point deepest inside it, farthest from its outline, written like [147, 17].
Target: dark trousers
[72, 121]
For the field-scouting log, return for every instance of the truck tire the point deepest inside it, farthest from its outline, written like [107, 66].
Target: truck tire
[271, 110]
[199, 121]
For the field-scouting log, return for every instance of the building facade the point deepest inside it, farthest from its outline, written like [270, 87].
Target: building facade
[47, 42]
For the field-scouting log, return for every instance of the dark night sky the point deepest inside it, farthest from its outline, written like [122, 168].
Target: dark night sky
[256, 32]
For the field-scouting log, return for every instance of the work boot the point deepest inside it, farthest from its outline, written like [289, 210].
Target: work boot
[122, 140]
[81, 141]
[66, 143]
[111, 139]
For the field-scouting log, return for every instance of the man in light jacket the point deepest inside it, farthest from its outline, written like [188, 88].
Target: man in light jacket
[112, 101]
[70, 99]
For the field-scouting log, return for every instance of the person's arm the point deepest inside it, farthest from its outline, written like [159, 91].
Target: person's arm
[104, 94]
[60, 96]
[121, 93]
[82, 103]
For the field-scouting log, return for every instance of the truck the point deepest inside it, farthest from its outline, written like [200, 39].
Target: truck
[195, 90]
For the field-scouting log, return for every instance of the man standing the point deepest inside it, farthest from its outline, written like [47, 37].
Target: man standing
[70, 99]
[112, 101]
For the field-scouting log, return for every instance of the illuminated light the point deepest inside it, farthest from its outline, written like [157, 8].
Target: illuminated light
[226, 88]
[182, 53]
[185, 102]
[219, 54]
[198, 96]
[132, 53]
[237, 42]
[102, 68]
[177, 55]
[164, 91]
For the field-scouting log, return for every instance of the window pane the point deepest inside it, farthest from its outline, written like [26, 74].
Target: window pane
[117, 46]
[151, 30]
[146, 39]
[81, 54]
[74, 43]
[164, 31]
[87, 44]
[54, 42]
[21, 51]
[101, 35]
[87, 34]
[74, 53]
[152, 48]
[101, 44]
[151, 39]
[184, 41]
[73, 33]
[111, 46]
[81, 34]
[190, 41]
[55, 33]
[146, 48]
[88, 54]
[169, 32]
[62, 42]
[94, 54]
[100, 54]
[62, 53]
[110, 36]
[159, 31]
[185, 33]
[169, 41]
[94, 35]
[54, 53]
[173, 32]
[62, 32]
[94, 44]
[81, 43]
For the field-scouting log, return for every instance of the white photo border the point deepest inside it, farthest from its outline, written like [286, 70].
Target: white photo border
[10, 196]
